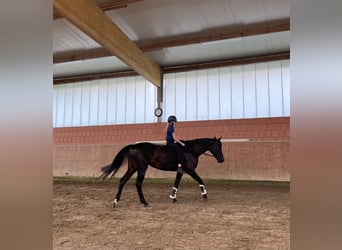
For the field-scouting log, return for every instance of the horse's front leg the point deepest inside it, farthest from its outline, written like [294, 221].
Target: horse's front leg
[173, 194]
[203, 191]
[196, 177]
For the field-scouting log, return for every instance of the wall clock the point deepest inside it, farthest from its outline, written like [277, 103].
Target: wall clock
[158, 112]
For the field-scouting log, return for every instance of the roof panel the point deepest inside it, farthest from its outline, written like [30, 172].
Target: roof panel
[146, 21]
[224, 49]
[159, 18]
[67, 37]
[85, 67]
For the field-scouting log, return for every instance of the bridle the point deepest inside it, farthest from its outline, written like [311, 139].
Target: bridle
[205, 153]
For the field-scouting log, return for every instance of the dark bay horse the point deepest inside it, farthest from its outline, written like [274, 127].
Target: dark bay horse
[140, 155]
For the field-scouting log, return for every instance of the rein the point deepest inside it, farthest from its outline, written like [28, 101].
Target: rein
[208, 154]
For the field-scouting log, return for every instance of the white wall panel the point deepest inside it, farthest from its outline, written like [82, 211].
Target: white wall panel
[140, 101]
[169, 98]
[225, 93]
[111, 105]
[275, 85]
[60, 89]
[249, 91]
[100, 102]
[130, 101]
[103, 102]
[150, 102]
[262, 90]
[191, 96]
[93, 103]
[180, 98]
[237, 92]
[85, 104]
[77, 104]
[202, 95]
[68, 111]
[286, 86]
[54, 107]
[213, 94]
[121, 101]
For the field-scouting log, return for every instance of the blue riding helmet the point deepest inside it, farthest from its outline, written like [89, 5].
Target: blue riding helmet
[172, 118]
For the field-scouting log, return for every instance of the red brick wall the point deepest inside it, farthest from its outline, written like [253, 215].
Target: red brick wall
[81, 151]
[262, 129]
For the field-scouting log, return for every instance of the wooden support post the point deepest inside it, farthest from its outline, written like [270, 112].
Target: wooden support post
[160, 97]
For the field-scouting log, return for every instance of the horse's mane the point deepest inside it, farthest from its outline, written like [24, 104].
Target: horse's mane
[197, 146]
[198, 141]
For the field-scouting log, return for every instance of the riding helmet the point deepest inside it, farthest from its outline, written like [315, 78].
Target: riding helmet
[172, 118]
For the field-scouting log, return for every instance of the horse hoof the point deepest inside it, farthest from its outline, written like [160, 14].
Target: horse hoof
[174, 200]
[205, 197]
[146, 204]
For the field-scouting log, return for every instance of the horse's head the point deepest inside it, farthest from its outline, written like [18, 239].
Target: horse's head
[216, 150]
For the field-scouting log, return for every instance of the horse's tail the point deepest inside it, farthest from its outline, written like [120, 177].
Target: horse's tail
[116, 164]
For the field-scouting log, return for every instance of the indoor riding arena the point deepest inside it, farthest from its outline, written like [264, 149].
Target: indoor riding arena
[121, 68]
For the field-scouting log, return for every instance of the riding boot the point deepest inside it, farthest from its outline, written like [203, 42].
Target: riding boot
[179, 169]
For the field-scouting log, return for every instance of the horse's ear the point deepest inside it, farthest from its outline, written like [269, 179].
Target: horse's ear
[220, 138]
[215, 138]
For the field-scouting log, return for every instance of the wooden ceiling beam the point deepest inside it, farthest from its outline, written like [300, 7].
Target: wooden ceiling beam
[104, 5]
[115, 4]
[89, 18]
[90, 77]
[216, 34]
[80, 55]
[179, 68]
[201, 37]
[228, 62]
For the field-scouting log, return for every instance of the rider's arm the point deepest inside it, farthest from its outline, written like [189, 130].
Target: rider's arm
[177, 140]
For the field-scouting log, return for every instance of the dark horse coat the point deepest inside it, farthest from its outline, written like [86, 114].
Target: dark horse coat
[139, 156]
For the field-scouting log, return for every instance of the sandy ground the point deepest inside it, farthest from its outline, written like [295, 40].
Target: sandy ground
[234, 217]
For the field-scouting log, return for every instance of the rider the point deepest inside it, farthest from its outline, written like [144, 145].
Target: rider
[172, 140]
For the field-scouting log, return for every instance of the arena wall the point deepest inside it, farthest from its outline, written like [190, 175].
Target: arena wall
[254, 149]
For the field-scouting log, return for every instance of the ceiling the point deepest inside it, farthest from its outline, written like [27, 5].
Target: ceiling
[171, 35]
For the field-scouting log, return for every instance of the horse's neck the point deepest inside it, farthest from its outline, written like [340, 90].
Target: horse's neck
[200, 147]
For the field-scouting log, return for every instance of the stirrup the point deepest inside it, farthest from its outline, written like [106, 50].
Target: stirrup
[203, 190]
[173, 193]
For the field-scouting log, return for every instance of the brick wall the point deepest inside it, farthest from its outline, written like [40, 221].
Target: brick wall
[81, 151]
[262, 129]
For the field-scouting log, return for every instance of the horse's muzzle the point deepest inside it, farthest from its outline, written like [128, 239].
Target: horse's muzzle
[221, 160]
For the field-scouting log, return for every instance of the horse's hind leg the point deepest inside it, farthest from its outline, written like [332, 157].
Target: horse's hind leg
[138, 184]
[123, 181]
